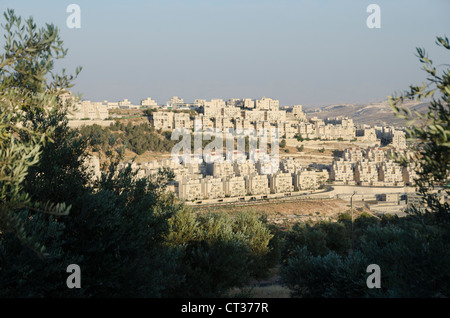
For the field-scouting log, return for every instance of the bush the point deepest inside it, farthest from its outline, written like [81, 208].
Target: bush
[219, 252]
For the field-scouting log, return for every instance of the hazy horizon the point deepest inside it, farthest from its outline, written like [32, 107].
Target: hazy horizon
[299, 52]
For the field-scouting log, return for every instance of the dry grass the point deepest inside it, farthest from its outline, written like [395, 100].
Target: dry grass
[287, 213]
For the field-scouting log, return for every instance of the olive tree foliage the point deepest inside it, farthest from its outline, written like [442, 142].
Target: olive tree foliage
[412, 251]
[218, 252]
[430, 131]
[28, 87]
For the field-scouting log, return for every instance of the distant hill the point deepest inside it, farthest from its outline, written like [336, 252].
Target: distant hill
[371, 114]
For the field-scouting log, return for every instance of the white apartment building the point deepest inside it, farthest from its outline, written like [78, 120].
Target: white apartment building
[232, 112]
[175, 102]
[390, 173]
[353, 154]
[248, 103]
[267, 104]
[190, 189]
[399, 139]
[257, 184]
[113, 105]
[287, 129]
[377, 155]
[212, 188]
[214, 107]
[126, 104]
[182, 120]
[307, 130]
[163, 120]
[281, 183]
[366, 172]
[220, 169]
[275, 115]
[148, 102]
[409, 175]
[89, 110]
[341, 172]
[297, 112]
[244, 168]
[306, 180]
[369, 135]
[234, 186]
[290, 165]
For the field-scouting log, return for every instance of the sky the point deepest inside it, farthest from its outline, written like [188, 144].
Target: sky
[312, 53]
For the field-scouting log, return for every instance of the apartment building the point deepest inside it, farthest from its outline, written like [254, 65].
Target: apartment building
[366, 172]
[89, 110]
[163, 120]
[390, 173]
[175, 102]
[281, 183]
[234, 186]
[353, 154]
[126, 104]
[297, 112]
[275, 115]
[254, 115]
[290, 165]
[399, 139]
[182, 120]
[248, 103]
[410, 174]
[257, 184]
[267, 104]
[190, 189]
[212, 187]
[220, 169]
[232, 112]
[149, 103]
[307, 130]
[341, 172]
[244, 168]
[306, 180]
[377, 155]
[214, 107]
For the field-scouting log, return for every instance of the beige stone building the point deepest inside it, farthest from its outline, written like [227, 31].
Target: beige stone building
[89, 110]
[190, 189]
[305, 180]
[341, 172]
[290, 164]
[257, 184]
[366, 172]
[214, 107]
[390, 173]
[163, 120]
[244, 168]
[353, 154]
[220, 169]
[399, 139]
[182, 120]
[175, 102]
[267, 104]
[281, 183]
[212, 188]
[377, 155]
[234, 186]
[409, 175]
[149, 103]
[297, 112]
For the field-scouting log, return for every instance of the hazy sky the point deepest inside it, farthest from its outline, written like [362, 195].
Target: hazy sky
[301, 52]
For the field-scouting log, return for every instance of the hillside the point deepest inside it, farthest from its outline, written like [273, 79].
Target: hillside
[370, 114]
